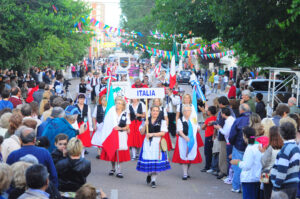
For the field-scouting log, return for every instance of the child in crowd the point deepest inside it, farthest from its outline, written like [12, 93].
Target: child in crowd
[61, 141]
[215, 158]
[209, 132]
[250, 165]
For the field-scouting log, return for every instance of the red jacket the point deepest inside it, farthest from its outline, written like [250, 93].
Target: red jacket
[232, 92]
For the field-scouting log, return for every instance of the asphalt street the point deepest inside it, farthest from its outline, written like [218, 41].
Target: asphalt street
[169, 183]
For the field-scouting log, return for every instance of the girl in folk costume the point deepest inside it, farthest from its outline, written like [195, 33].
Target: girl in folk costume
[85, 89]
[98, 118]
[185, 152]
[152, 159]
[122, 154]
[84, 118]
[135, 140]
[163, 115]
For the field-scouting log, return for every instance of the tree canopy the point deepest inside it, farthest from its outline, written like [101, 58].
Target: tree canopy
[33, 33]
[262, 33]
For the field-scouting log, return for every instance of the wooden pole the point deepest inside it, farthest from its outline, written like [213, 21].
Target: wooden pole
[147, 126]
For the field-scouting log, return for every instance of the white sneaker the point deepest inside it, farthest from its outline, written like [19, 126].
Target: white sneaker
[236, 190]
[209, 171]
[227, 181]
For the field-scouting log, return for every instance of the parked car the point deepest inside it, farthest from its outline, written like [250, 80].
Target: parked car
[262, 85]
[184, 76]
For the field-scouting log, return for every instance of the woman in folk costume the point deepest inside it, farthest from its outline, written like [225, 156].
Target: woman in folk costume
[187, 145]
[135, 139]
[84, 118]
[122, 154]
[152, 159]
[163, 115]
[186, 100]
[98, 118]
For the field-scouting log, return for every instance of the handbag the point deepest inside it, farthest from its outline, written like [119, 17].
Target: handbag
[163, 144]
[264, 178]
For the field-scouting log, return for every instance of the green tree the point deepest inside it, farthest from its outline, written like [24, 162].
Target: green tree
[31, 33]
[264, 33]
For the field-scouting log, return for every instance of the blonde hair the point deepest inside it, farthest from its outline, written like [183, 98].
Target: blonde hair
[288, 119]
[74, 147]
[19, 169]
[187, 95]
[267, 123]
[123, 102]
[160, 103]
[5, 177]
[87, 191]
[45, 100]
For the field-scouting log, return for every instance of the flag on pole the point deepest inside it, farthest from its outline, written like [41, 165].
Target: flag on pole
[172, 73]
[198, 89]
[192, 130]
[109, 138]
[85, 64]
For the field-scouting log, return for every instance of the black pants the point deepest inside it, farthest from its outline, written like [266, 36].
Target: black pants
[208, 145]
[172, 124]
[268, 190]
[93, 94]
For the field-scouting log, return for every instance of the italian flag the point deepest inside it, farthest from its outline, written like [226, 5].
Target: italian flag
[172, 73]
[109, 139]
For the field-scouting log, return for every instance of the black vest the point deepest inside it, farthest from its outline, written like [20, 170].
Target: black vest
[123, 120]
[132, 114]
[185, 127]
[154, 128]
[100, 114]
[102, 86]
[180, 111]
[161, 114]
[83, 113]
[82, 88]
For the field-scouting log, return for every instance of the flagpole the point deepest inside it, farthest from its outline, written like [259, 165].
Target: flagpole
[147, 126]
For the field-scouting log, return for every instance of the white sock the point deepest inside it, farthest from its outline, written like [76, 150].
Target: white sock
[118, 168]
[133, 151]
[185, 170]
[153, 177]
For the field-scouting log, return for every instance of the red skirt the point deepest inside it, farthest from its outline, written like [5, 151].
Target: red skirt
[176, 156]
[85, 137]
[135, 138]
[124, 156]
[168, 140]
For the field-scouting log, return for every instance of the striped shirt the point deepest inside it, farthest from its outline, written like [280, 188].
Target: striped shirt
[285, 171]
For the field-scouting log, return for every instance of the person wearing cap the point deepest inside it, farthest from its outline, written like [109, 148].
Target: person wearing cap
[57, 112]
[63, 125]
[84, 118]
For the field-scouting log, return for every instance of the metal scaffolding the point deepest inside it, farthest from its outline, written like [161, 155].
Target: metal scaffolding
[273, 89]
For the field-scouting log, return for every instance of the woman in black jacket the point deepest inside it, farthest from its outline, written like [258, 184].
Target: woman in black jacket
[73, 171]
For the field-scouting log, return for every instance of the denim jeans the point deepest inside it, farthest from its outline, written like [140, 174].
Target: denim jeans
[236, 182]
[215, 160]
[228, 152]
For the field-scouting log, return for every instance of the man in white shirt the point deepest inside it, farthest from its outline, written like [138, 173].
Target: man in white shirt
[171, 103]
[94, 82]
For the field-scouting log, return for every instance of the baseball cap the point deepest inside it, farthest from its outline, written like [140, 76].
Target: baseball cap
[72, 110]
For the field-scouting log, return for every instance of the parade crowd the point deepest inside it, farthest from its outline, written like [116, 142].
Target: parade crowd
[44, 133]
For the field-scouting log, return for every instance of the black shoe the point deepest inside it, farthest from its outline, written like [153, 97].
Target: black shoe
[221, 176]
[188, 176]
[119, 175]
[98, 157]
[184, 178]
[204, 170]
[153, 184]
[86, 152]
[148, 179]
[111, 172]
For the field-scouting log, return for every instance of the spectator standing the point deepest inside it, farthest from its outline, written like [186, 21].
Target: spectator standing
[292, 103]
[5, 179]
[232, 90]
[37, 182]
[15, 98]
[260, 107]
[216, 82]
[237, 141]
[285, 172]
[246, 98]
[282, 111]
[28, 147]
[38, 95]
[4, 103]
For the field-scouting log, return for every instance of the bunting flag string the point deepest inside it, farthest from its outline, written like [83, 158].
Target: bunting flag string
[186, 53]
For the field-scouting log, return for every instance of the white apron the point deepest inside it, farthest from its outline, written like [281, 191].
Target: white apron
[152, 152]
[123, 137]
[96, 137]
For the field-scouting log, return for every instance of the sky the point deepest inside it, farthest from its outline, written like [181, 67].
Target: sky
[112, 12]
